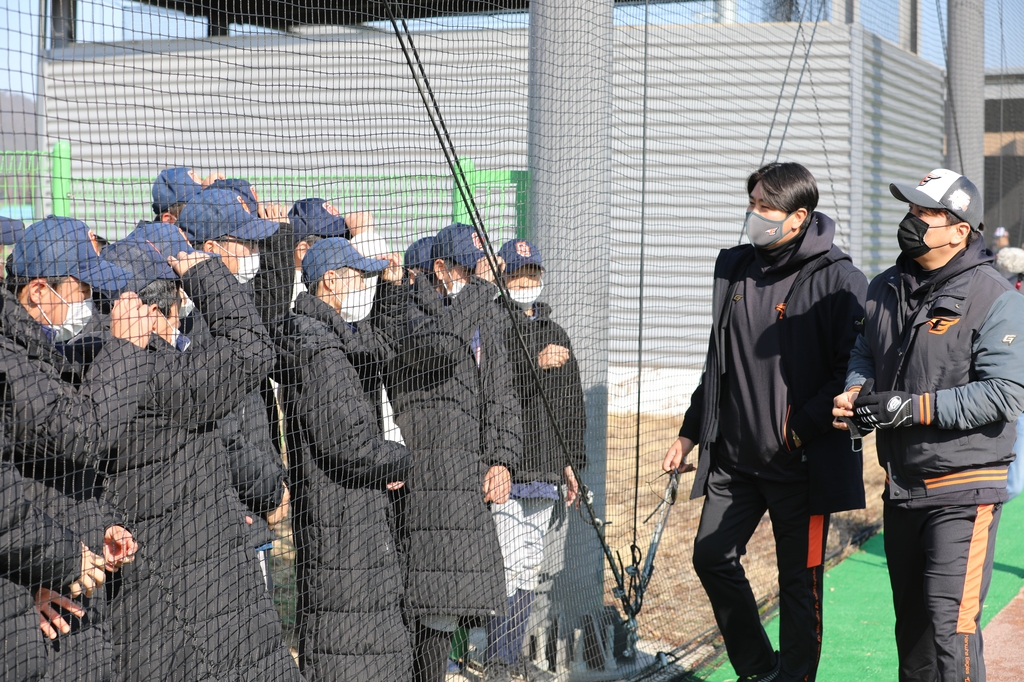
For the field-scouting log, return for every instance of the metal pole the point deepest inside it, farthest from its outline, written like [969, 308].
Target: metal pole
[727, 11]
[569, 212]
[965, 110]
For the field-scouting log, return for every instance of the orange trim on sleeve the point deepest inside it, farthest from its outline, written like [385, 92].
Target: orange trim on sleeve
[815, 550]
[970, 603]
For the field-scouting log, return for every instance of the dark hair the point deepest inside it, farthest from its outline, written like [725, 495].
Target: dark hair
[954, 219]
[309, 239]
[786, 187]
[173, 209]
[163, 293]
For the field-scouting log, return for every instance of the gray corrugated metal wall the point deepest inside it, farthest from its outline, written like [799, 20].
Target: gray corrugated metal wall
[345, 105]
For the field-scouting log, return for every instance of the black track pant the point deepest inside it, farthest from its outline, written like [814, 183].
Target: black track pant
[733, 507]
[940, 565]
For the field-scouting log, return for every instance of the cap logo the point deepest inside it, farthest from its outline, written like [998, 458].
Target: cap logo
[928, 178]
[195, 177]
[959, 200]
[523, 249]
[242, 202]
[329, 207]
[476, 242]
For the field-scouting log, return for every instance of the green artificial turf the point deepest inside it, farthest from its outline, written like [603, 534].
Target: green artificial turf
[858, 616]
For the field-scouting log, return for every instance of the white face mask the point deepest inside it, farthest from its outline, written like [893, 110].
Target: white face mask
[525, 298]
[188, 306]
[356, 305]
[77, 316]
[297, 287]
[455, 287]
[248, 266]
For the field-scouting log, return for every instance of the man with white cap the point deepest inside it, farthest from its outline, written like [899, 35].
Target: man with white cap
[939, 371]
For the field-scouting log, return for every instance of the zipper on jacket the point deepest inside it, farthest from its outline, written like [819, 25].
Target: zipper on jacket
[785, 429]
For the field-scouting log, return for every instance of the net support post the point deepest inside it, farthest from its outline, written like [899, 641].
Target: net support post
[60, 178]
[727, 11]
[965, 106]
[568, 114]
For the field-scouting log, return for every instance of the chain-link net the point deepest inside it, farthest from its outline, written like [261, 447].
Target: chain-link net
[319, 446]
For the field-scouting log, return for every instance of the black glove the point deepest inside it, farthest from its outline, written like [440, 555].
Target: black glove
[890, 409]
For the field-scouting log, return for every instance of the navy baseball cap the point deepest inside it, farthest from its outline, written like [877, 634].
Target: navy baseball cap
[418, 255]
[518, 253]
[334, 253]
[316, 217]
[141, 259]
[175, 186]
[11, 231]
[460, 243]
[217, 213]
[60, 247]
[242, 188]
[164, 237]
[943, 189]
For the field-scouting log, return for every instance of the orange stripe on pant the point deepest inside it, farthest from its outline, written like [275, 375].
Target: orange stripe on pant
[970, 603]
[814, 541]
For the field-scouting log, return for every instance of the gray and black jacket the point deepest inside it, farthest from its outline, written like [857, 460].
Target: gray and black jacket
[959, 336]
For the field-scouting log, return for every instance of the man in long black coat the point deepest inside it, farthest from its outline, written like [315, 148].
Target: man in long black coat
[194, 605]
[57, 430]
[349, 572]
[459, 415]
[787, 310]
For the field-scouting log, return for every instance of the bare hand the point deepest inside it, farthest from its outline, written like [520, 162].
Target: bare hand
[274, 212]
[675, 458]
[842, 406]
[394, 271]
[132, 321]
[50, 619]
[119, 547]
[278, 515]
[395, 485]
[497, 485]
[483, 268]
[211, 178]
[358, 222]
[184, 262]
[572, 488]
[552, 357]
[92, 574]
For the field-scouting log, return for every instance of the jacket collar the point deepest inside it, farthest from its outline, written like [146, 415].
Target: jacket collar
[17, 325]
[817, 240]
[353, 336]
[974, 256]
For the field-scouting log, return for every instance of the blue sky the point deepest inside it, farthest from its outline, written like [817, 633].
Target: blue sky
[116, 20]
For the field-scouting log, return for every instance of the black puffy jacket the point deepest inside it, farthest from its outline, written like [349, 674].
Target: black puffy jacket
[349, 572]
[458, 418]
[58, 425]
[34, 551]
[193, 605]
[543, 457]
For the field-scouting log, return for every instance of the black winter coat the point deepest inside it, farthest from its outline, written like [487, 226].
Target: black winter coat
[56, 427]
[193, 605]
[34, 551]
[349, 572]
[458, 419]
[253, 459]
[543, 458]
[821, 316]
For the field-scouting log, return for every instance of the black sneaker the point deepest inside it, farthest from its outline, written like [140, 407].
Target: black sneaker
[772, 674]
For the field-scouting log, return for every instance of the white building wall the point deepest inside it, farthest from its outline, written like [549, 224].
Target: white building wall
[866, 113]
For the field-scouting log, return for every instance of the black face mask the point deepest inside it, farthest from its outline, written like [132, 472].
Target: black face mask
[911, 236]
